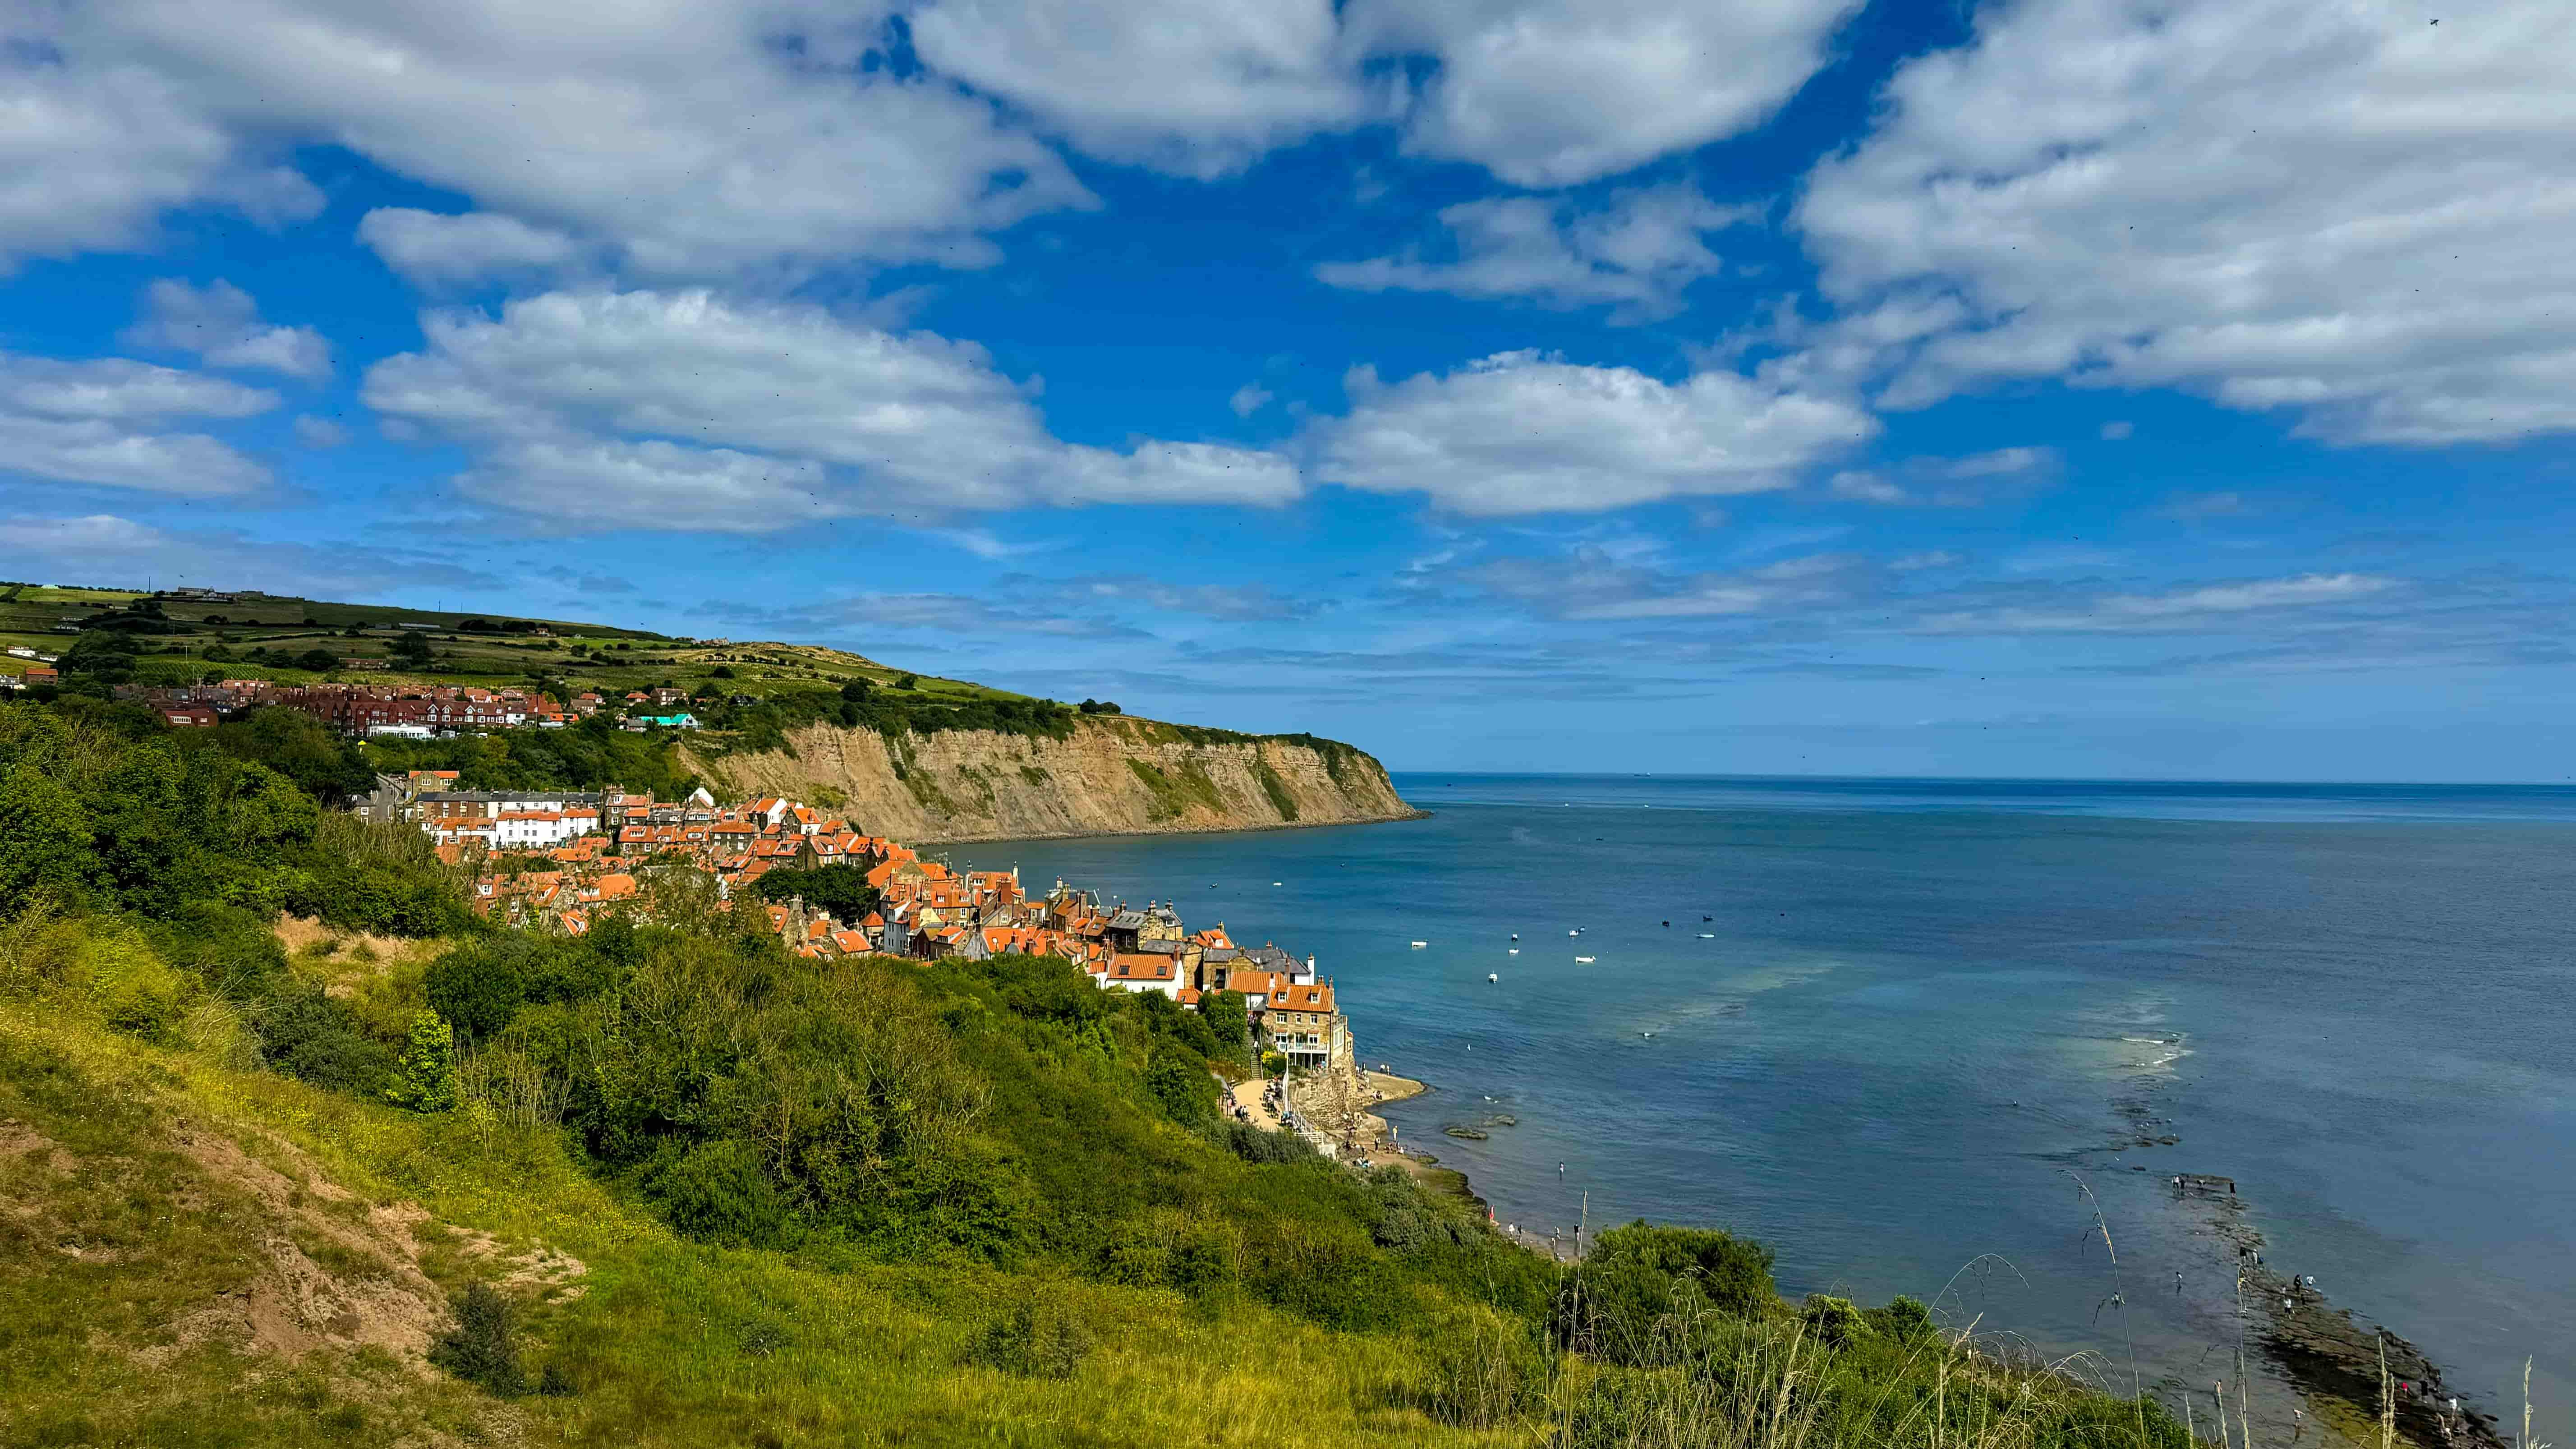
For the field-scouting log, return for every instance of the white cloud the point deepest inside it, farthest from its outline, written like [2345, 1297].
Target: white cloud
[2118, 431]
[683, 410]
[1519, 432]
[122, 390]
[2191, 609]
[1540, 92]
[691, 138]
[1972, 481]
[1198, 87]
[2338, 210]
[1589, 584]
[220, 323]
[109, 548]
[1863, 486]
[1639, 252]
[1248, 399]
[316, 432]
[92, 154]
[101, 422]
[1555, 92]
[433, 250]
[985, 544]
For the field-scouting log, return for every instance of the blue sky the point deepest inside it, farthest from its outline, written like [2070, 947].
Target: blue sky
[2067, 387]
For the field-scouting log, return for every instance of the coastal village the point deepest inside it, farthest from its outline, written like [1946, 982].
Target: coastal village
[556, 860]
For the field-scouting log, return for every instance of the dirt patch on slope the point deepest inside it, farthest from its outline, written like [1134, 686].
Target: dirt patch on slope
[337, 1272]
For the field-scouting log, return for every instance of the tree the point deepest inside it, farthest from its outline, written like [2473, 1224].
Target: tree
[412, 646]
[909, 681]
[1638, 1275]
[840, 889]
[45, 836]
[301, 748]
[1228, 1020]
[101, 653]
[320, 661]
[1100, 706]
[856, 691]
[478, 986]
[427, 1069]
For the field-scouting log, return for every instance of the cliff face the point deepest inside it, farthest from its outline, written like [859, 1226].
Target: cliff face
[1114, 776]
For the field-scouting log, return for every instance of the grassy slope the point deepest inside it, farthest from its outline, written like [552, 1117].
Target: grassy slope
[668, 1342]
[28, 616]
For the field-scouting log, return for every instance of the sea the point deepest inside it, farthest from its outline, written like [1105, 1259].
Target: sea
[1956, 1038]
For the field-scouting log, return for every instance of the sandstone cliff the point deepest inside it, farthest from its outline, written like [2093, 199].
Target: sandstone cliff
[1114, 776]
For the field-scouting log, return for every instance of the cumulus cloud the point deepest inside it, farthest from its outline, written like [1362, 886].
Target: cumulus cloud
[1248, 399]
[1198, 87]
[1540, 92]
[220, 323]
[2338, 211]
[107, 422]
[1639, 252]
[319, 432]
[691, 139]
[1521, 432]
[92, 153]
[434, 250]
[1554, 92]
[684, 410]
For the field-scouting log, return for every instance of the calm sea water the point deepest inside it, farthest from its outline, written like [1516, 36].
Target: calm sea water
[1894, 1023]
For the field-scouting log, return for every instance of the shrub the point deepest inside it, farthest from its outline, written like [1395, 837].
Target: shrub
[1181, 1086]
[1642, 1286]
[425, 1077]
[480, 985]
[717, 1192]
[1834, 1322]
[1904, 1320]
[1032, 1343]
[132, 987]
[479, 1349]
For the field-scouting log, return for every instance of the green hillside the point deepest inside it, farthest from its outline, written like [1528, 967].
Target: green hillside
[173, 637]
[299, 1151]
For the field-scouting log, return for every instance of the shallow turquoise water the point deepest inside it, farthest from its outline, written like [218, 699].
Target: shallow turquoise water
[1928, 1008]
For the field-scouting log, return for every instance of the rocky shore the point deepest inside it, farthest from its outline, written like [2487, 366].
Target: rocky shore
[2349, 1371]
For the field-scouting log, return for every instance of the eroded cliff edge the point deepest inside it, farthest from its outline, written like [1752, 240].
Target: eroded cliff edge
[1112, 776]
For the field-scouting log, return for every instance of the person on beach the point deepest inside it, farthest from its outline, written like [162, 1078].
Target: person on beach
[2177, 1282]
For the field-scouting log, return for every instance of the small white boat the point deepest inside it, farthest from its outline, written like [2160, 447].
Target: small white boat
[1516, 950]
[1708, 935]
[1516, 935]
[1645, 1033]
[1490, 976]
[1582, 960]
[1274, 882]
[1575, 932]
[1418, 945]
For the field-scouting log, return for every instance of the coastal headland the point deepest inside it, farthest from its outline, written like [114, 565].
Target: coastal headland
[1109, 775]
